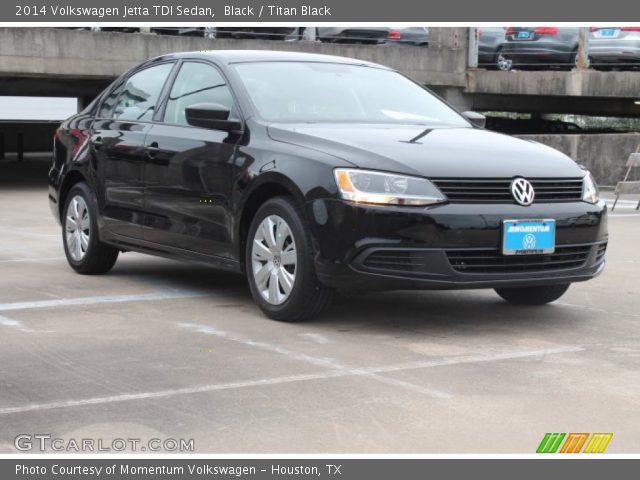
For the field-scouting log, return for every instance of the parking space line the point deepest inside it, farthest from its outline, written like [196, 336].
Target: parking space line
[325, 362]
[18, 325]
[65, 302]
[41, 259]
[327, 374]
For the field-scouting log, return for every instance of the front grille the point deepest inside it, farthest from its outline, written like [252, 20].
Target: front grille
[492, 260]
[392, 260]
[498, 190]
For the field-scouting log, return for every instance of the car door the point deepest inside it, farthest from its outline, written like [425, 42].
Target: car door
[189, 170]
[117, 141]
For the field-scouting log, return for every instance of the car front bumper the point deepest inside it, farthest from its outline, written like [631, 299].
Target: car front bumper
[450, 246]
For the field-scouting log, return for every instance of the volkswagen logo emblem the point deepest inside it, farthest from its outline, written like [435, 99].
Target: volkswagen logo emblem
[529, 241]
[522, 191]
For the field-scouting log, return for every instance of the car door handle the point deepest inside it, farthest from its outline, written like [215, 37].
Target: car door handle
[151, 151]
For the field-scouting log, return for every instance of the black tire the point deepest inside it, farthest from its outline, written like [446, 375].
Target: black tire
[99, 258]
[533, 295]
[308, 297]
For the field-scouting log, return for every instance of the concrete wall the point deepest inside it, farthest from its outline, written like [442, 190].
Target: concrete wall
[52, 55]
[605, 155]
[555, 83]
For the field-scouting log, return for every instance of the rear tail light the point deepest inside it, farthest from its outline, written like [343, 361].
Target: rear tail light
[594, 29]
[394, 35]
[510, 31]
[630, 29]
[546, 31]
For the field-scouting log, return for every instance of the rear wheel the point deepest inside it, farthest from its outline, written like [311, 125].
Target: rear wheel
[279, 264]
[533, 295]
[85, 252]
[503, 63]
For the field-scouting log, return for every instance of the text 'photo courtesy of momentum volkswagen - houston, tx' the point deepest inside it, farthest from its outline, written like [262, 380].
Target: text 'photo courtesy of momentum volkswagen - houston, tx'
[313, 174]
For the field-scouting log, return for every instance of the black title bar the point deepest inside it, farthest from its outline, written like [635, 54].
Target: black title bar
[316, 11]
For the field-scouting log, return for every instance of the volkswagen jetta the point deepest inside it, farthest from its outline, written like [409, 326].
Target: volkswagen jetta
[312, 174]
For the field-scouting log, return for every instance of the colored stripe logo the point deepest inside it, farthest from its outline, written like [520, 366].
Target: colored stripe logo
[574, 442]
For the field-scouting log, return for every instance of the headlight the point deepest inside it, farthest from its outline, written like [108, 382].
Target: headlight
[590, 192]
[365, 186]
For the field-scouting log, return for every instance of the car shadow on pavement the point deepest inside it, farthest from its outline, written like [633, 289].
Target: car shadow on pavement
[441, 313]
[165, 274]
[421, 312]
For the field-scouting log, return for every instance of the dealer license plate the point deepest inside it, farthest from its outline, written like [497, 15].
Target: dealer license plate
[528, 237]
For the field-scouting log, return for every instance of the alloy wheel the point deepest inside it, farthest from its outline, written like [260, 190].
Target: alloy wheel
[274, 259]
[77, 228]
[504, 64]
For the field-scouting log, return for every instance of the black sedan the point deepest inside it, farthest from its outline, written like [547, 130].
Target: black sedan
[312, 174]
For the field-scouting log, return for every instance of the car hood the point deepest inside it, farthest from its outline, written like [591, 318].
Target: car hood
[430, 152]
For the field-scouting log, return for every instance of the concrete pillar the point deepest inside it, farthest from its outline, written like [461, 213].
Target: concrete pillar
[309, 34]
[582, 60]
[20, 146]
[472, 58]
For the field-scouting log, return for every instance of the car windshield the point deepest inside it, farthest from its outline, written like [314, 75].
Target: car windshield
[308, 92]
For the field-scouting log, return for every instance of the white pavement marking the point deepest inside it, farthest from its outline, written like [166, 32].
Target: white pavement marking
[18, 325]
[209, 330]
[42, 259]
[64, 302]
[290, 379]
[315, 337]
[318, 361]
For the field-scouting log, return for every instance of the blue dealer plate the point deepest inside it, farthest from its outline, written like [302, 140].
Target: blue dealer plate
[523, 35]
[528, 237]
[608, 32]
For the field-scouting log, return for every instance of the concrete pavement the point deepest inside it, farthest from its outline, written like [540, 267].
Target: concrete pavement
[159, 349]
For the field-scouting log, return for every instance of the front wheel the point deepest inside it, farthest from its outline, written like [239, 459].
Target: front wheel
[533, 295]
[85, 252]
[279, 264]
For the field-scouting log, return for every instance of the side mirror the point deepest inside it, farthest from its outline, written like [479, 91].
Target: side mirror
[475, 118]
[212, 116]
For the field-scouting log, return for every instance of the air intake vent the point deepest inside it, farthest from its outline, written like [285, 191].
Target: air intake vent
[391, 260]
[492, 261]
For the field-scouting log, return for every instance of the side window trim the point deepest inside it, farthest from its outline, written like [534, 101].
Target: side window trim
[135, 72]
[163, 99]
[174, 74]
[114, 87]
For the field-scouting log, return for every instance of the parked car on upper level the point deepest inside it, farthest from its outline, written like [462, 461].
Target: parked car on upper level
[490, 41]
[417, 36]
[540, 47]
[614, 47]
[365, 35]
[264, 33]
